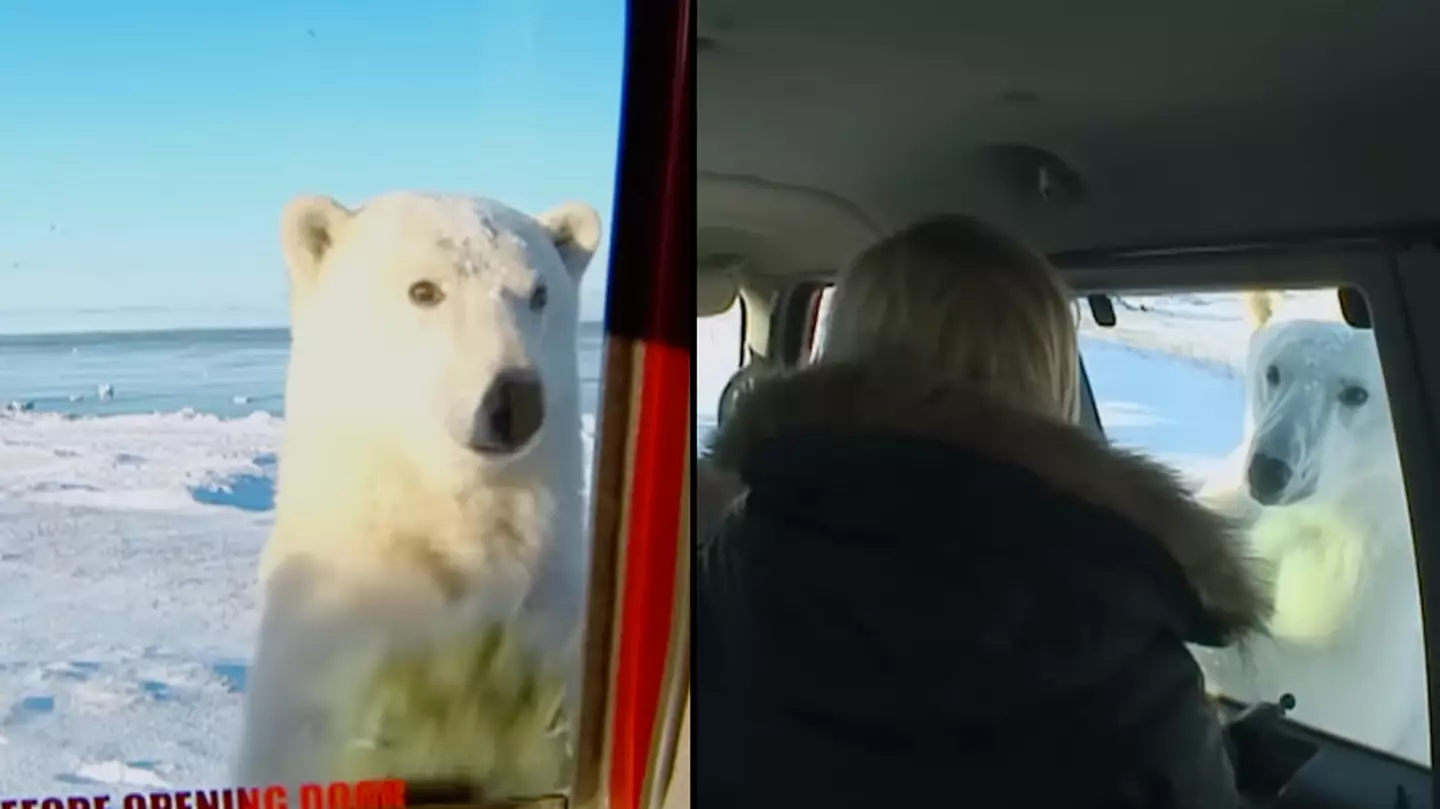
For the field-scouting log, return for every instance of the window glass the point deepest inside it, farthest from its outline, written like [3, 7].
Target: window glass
[147, 154]
[822, 323]
[719, 353]
[1275, 411]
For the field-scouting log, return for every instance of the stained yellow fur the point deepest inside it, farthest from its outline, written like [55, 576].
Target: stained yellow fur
[478, 712]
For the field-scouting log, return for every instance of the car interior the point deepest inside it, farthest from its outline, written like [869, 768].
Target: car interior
[1147, 149]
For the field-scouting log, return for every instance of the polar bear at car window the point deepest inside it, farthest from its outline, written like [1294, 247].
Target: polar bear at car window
[430, 477]
[1316, 481]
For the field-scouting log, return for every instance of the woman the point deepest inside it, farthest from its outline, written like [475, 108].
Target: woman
[933, 588]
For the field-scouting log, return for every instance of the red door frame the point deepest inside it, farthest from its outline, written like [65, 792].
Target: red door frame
[642, 471]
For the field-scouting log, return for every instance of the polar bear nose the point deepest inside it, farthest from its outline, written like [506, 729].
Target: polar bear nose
[1268, 478]
[510, 414]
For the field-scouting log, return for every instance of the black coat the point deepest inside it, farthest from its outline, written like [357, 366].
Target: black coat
[925, 598]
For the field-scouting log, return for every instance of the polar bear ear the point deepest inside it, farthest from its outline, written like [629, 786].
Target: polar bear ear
[308, 229]
[574, 227]
[1259, 308]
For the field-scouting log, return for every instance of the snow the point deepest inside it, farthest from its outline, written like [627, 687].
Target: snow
[1206, 328]
[129, 543]
[128, 552]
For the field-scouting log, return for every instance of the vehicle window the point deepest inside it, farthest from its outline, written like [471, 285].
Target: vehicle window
[822, 322]
[1275, 411]
[719, 353]
[147, 157]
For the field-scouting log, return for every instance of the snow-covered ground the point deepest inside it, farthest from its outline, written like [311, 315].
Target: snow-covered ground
[128, 547]
[1206, 327]
[128, 557]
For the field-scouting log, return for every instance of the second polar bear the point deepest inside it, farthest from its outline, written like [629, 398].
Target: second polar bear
[1317, 481]
[430, 478]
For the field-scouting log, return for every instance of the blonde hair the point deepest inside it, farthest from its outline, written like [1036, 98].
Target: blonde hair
[968, 301]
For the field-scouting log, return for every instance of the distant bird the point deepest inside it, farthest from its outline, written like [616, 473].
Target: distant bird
[311, 32]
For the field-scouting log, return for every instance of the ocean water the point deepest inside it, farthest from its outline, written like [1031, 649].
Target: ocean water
[221, 372]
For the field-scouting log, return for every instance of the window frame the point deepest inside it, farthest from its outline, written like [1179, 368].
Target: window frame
[742, 352]
[1089, 410]
[793, 326]
[1388, 276]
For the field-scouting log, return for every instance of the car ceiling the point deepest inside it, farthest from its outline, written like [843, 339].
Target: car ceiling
[823, 123]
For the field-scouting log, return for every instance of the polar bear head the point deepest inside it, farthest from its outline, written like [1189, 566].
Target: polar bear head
[437, 327]
[1317, 417]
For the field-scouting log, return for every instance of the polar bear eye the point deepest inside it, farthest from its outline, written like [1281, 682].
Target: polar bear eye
[539, 298]
[1354, 396]
[1272, 375]
[425, 293]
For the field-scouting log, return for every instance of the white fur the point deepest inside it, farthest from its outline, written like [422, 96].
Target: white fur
[390, 531]
[1346, 638]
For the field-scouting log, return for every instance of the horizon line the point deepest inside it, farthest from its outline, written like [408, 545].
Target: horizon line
[118, 331]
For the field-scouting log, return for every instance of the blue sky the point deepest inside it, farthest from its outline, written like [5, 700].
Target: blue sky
[147, 147]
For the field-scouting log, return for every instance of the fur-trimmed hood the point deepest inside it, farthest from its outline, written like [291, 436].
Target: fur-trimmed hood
[841, 401]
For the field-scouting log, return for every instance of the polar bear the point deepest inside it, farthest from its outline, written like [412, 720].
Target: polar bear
[1317, 481]
[430, 475]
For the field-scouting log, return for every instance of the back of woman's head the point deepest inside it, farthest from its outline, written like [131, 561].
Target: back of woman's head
[967, 301]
